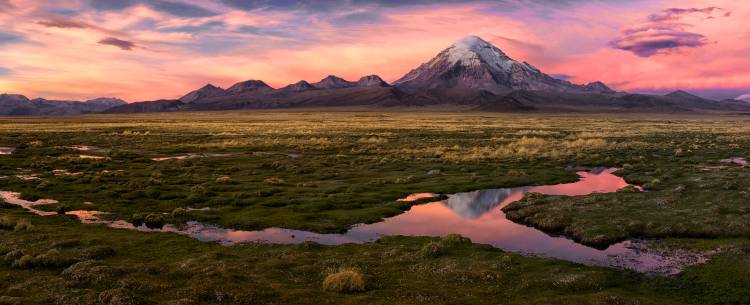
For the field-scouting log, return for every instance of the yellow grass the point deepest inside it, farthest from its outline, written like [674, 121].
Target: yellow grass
[344, 280]
[477, 136]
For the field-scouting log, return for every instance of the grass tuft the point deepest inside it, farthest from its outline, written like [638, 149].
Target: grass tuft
[25, 262]
[432, 249]
[23, 225]
[345, 280]
[224, 180]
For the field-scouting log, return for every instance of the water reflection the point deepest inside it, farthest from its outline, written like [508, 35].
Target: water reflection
[82, 147]
[476, 215]
[15, 199]
[472, 205]
[86, 157]
[190, 156]
[735, 160]
[417, 196]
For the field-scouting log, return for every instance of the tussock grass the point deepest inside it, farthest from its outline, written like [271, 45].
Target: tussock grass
[337, 169]
[7, 222]
[344, 280]
[443, 246]
[25, 262]
[224, 180]
[372, 140]
[23, 225]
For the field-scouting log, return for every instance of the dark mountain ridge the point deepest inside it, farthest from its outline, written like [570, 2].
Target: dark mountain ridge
[148, 106]
[470, 73]
[19, 105]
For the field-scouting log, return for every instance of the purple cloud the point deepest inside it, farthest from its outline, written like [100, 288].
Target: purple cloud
[122, 44]
[5, 71]
[63, 23]
[650, 42]
[175, 8]
[6, 37]
[663, 32]
[502, 41]
[5, 5]
[672, 14]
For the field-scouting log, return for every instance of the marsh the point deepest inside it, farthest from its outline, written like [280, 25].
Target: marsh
[536, 198]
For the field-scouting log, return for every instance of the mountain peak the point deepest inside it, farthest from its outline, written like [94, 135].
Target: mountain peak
[598, 87]
[298, 86]
[333, 78]
[248, 86]
[333, 82]
[106, 101]
[209, 86]
[471, 43]
[13, 97]
[681, 94]
[472, 62]
[208, 90]
[472, 50]
[372, 81]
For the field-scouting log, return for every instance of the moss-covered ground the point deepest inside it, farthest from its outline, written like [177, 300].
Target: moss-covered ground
[325, 171]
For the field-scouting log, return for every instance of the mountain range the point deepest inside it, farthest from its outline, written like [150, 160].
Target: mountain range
[19, 105]
[470, 73]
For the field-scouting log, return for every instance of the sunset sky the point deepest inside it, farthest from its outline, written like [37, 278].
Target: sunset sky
[151, 49]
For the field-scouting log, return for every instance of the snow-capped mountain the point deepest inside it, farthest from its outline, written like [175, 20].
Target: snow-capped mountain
[474, 63]
[469, 74]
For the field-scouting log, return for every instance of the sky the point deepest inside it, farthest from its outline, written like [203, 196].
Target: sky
[151, 49]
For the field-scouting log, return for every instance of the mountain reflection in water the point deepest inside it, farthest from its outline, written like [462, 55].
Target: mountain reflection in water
[476, 215]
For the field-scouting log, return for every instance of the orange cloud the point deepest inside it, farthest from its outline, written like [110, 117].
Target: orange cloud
[63, 57]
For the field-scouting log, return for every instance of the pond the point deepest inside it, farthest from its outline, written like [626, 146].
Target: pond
[190, 156]
[476, 215]
[735, 160]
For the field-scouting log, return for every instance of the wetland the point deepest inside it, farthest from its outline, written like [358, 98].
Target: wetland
[266, 206]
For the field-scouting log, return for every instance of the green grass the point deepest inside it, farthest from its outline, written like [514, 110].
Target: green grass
[683, 199]
[327, 171]
[158, 268]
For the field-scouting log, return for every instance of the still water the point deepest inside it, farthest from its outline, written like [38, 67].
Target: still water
[476, 215]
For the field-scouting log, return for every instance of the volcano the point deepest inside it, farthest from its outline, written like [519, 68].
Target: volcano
[472, 63]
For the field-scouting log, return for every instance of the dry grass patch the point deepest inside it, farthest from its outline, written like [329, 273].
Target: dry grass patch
[345, 280]
[372, 140]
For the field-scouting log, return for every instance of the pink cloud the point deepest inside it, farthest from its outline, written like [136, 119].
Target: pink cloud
[122, 44]
[60, 22]
[664, 32]
[63, 58]
[721, 62]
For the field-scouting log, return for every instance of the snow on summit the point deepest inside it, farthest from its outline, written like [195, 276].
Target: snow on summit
[470, 49]
[472, 62]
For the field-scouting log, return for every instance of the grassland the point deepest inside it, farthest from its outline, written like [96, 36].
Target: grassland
[326, 171]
